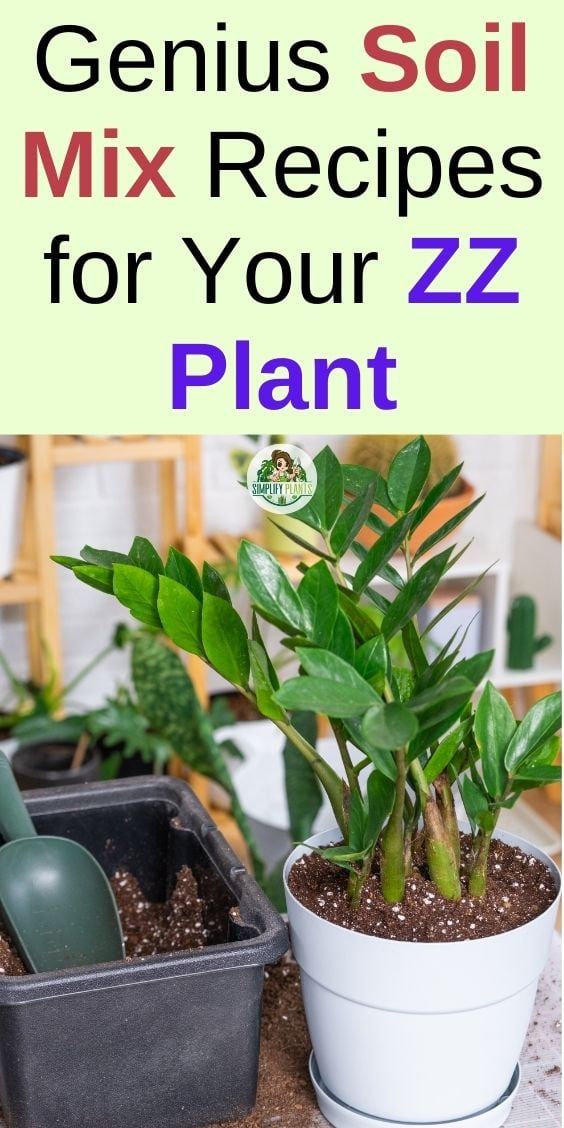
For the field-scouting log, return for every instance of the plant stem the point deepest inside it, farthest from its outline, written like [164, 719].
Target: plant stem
[357, 880]
[392, 864]
[446, 806]
[348, 765]
[440, 854]
[477, 882]
[362, 764]
[327, 777]
[419, 782]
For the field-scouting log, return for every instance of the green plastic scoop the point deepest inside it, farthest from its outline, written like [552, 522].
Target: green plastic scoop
[56, 900]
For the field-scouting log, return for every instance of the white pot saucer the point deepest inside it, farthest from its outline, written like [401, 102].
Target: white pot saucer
[343, 1116]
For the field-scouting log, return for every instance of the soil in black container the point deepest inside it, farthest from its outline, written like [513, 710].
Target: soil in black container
[519, 888]
[150, 928]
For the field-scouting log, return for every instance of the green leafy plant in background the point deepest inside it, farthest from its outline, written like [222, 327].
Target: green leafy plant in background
[159, 718]
[406, 736]
[29, 699]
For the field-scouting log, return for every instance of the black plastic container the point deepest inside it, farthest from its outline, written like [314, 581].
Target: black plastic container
[49, 765]
[157, 1043]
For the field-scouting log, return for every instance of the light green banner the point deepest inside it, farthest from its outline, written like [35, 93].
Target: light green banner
[73, 367]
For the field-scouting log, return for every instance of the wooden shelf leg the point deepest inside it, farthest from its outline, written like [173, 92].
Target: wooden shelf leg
[46, 623]
[168, 517]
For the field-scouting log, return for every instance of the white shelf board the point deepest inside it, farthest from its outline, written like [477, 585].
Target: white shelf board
[539, 675]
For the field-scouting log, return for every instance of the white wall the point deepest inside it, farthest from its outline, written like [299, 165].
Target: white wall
[108, 505]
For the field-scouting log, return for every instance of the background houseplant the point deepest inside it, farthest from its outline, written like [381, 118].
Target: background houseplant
[52, 755]
[416, 730]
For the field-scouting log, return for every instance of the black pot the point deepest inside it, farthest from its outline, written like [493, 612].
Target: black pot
[160, 1042]
[49, 765]
[9, 455]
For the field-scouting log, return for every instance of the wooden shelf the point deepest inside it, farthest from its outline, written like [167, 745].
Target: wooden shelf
[78, 451]
[21, 588]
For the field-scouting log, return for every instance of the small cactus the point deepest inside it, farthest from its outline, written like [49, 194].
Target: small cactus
[521, 626]
[377, 451]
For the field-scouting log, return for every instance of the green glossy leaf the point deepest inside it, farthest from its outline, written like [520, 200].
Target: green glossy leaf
[225, 639]
[448, 527]
[538, 725]
[144, 555]
[446, 751]
[352, 520]
[439, 701]
[382, 758]
[476, 804]
[342, 639]
[541, 773]
[380, 553]
[303, 790]
[408, 473]
[389, 725]
[414, 649]
[432, 732]
[342, 856]
[546, 754]
[494, 726]
[372, 661]
[380, 793]
[138, 590]
[214, 584]
[380, 601]
[96, 576]
[293, 536]
[403, 684]
[269, 586]
[320, 601]
[357, 823]
[324, 664]
[475, 668]
[180, 613]
[323, 695]
[415, 593]
[435, 494]
[180, 568]
[70, 562]
[358, 479]
[457, 599]
[322, 511]
[257, 637]
[102, 556]
[387, 572]
[262, 685]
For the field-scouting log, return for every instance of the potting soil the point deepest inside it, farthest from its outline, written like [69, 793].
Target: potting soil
[519, 888]
[150, 928]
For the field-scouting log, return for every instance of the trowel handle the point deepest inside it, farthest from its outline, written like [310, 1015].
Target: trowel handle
[14, 819]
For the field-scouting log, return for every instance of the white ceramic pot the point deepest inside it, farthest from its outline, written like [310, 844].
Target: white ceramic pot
[12, 482]
[420, 1033]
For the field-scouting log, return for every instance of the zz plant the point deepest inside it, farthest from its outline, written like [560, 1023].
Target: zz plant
[408, 736]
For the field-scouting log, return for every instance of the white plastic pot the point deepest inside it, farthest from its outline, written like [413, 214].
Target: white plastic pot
[417, 1033]
[12, 482]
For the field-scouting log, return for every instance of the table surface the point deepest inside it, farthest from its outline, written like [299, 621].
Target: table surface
[538, 1101]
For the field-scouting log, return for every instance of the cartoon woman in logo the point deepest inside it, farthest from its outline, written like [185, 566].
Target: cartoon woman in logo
[285, 469]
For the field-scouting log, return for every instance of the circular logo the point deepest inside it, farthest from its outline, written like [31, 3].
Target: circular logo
[282, 478]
